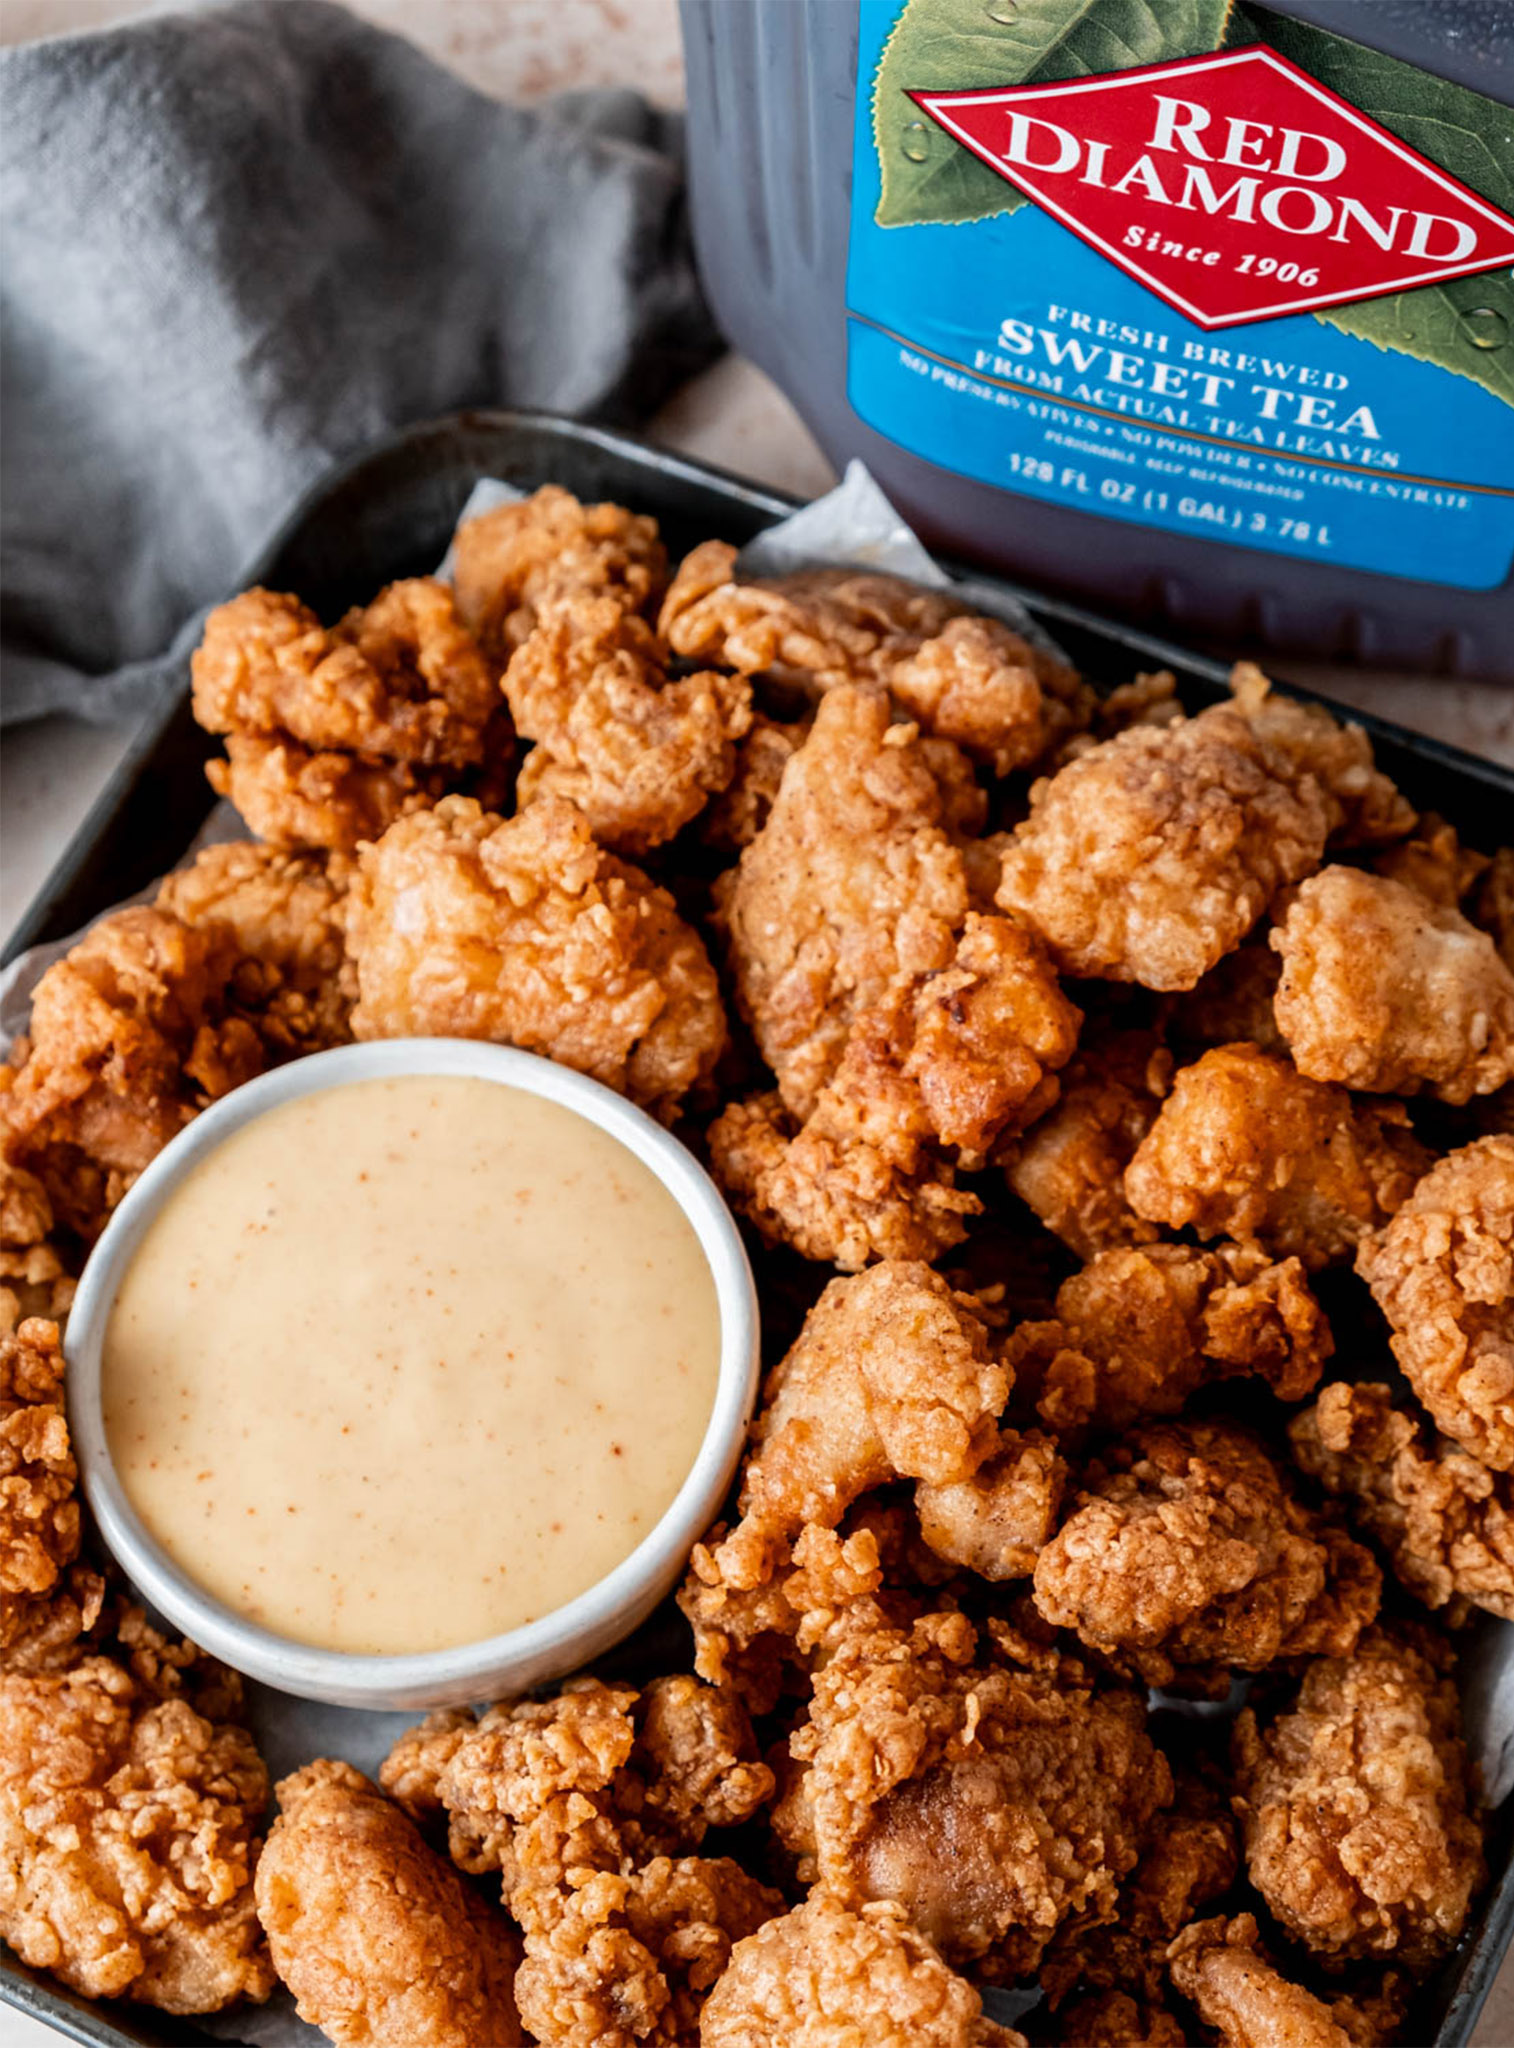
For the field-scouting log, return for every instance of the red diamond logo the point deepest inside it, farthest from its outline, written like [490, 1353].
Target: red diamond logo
[1234, 185]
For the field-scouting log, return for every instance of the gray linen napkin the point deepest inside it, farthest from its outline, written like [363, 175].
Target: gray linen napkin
[234, 245]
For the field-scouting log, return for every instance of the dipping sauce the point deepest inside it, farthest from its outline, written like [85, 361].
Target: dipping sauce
[404, 1364]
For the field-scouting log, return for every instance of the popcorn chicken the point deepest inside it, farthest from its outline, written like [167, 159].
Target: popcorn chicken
[1442, 1272]
[1153, 854]
[511, 559]
[1387, 992]
[522, 931]
[1246, 1147]
[1353, 1804]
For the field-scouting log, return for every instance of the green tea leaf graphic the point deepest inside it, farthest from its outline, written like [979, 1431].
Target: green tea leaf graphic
[1467, 135]
[1432, 324]
[953, 43]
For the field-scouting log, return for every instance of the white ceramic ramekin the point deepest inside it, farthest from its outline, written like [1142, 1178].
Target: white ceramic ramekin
[523, 1657]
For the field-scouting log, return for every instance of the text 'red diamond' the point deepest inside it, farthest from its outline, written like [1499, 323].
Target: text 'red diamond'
[1233, 185]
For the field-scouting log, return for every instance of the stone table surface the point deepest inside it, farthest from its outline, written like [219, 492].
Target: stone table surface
[51, 771]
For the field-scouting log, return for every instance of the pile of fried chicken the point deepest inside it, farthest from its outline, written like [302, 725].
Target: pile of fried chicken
[1119, 1105]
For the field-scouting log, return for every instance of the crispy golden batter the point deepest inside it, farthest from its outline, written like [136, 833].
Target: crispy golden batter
[509, 560]
[291, 797]
[931, 1077]
[1069, 1168]
[1492, 903]
[1191, 1860]
[997, 1522]
[639, 755]
[1353, 1804]
[39, 1506]
[129, 1038]
[890, 1377]
[989, 1800]
[652, 1771]
[284, 913]
[1186, 1550]
[1152, 855]
[732, 819]
[34, 1275]
[1365, 807]
[1246, 1147]
[967, 678]
[824, 1976]
[379, 1939]
[625, 1959]
[400, 678]
[522, 931]
[1218, 1967]
[1139, 1329]
[1433, 862]
[1385, 991]
[1113, 2019]
[852, 882]
[127, 1834]
[1233, 1003]
[579, 1802]
[1445, 1521]
[1442, 1272]
[331, 736]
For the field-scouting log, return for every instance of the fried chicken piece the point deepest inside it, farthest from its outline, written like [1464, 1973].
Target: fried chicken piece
[1445, 1521]
[640, 755]
[400, 678]
[1442, 1272]
[578, 1801]
[1192, 1859]
[734, 816]
[890, 1378]
[1113, 2019]
[1246, 1147]
[1233, 1004]
[1153, 854]
[1353, 1803]
[127, 1839]
[284, 913]
[290, 797]
[379, 1939]
[1187, 1551]
[1218, 1967]
[39, 1505]
[655, 1770]
[625, 1959]
[852, 882]
[823, 1976]
[34, 1275]
[744, 1636]
[522, 931]
[1433, 862]
[997, 1522]
[508, 561]
[1366, 809]
[931, 1078]
[1138, 1330]
[989, 1800]
[965, 677]
[129, 1038]
[1492, 904]
[43, 1633]
[332, 735]
[1069, 1168]
[1387, 992]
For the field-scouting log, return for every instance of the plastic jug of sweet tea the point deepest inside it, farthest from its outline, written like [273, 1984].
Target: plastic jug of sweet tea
[1199, 310]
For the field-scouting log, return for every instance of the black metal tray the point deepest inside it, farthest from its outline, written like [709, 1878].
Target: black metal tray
[390, 512]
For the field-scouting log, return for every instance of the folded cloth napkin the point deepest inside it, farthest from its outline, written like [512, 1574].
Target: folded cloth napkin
[236, 244]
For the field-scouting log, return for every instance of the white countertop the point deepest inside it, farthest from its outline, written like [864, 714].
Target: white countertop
[51, 772]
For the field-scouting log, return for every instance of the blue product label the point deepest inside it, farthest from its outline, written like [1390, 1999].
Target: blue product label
[1007, 345]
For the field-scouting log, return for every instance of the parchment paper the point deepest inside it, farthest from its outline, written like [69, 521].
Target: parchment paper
[853, 525]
